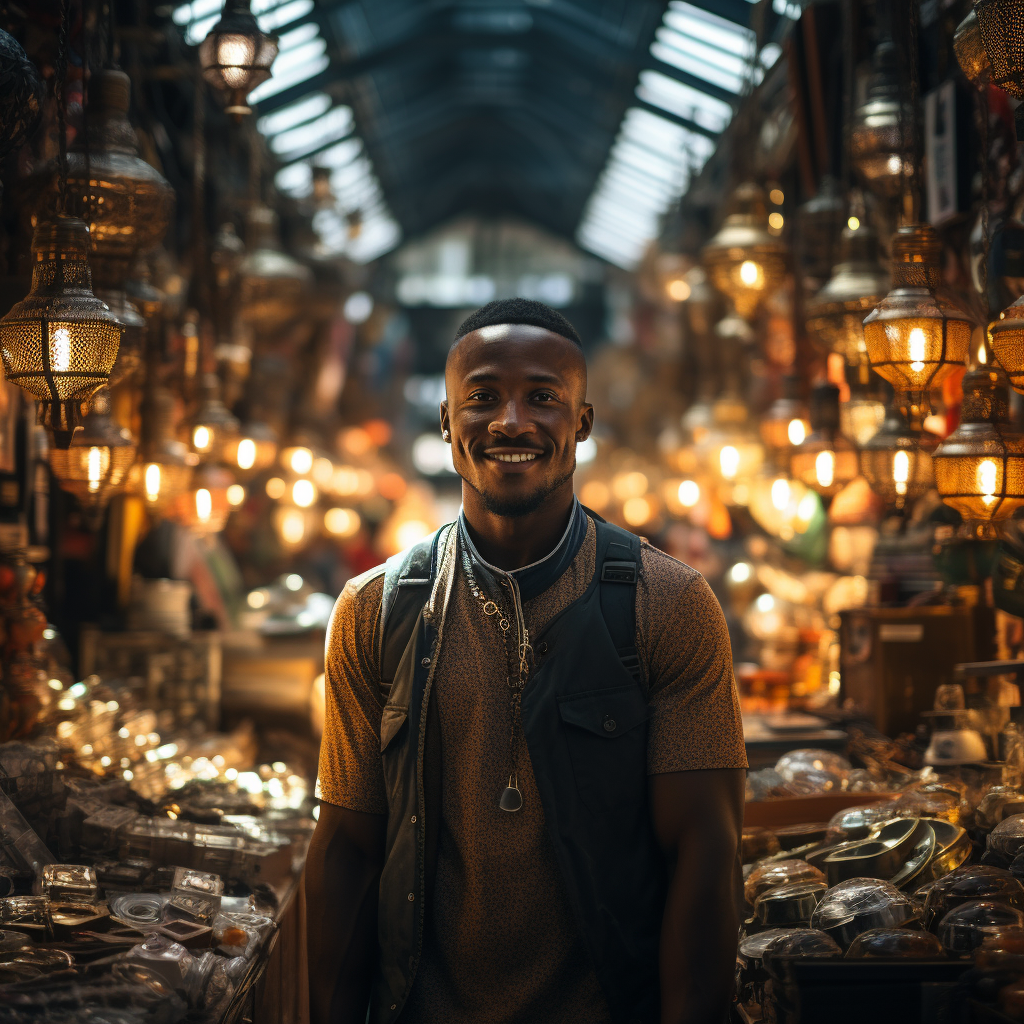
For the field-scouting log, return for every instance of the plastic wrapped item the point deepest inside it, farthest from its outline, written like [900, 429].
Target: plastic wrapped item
[799, 944]
[142, 910]
[967, 884]
[770, 874]
[860, 780]
[123, 874]
[929, 803]
[857, 822]
[821, 770]
[165, 958]
[196, 893]
[240, 934]
[766, 784]
[17, 965]
[999, 802]
[792, 837]
[208, 985]
[896, 943]
[236, 967]
[964, 928]
[750, 974]
[102, 830]
[757, 843]
[70, 882]
[21, 846]
[1007, 837]
[789, 906]
[859, 905]
[28, 914]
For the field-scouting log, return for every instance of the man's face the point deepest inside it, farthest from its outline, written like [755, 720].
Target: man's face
[516, 408]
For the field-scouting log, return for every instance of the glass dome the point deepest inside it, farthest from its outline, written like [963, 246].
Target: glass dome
[859, 905]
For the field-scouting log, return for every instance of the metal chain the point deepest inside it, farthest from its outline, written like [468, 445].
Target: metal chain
[59, 82]
[983, 115]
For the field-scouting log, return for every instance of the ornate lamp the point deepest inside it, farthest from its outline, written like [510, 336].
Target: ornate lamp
[744, 260]
[826, 461]
[60, 342]
[979, 468]
[164, 468]
[862, 414]
[1002, 30]
[836, 313]
[914, 338]
[1006, 335]
[128, 365]
[271, 283]
[254, 449]
[206, 505]
[213, 426]
[295, 526]
[970, 51]
[94, 467]
[882, 132]
[236, 56]
[897, 461]
[785, 424]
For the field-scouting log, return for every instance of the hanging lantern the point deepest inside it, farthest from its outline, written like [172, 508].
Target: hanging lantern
[785, 424]
[915, 339]
[254, 449]
[979, 468]
[127, 367]
[206, 505]
[1002, 30]
[164, 468]
[819, 225]
[970, 51]
[744, 260]
[272, 285]
[862, 414]
[826, 461]
[1006, 335]
[836, 313]
[213, 426]
[882, 134]
[897, 461]
[60, 342]
[94, 468]
[295, 527]
[21, 98]
[236, 56]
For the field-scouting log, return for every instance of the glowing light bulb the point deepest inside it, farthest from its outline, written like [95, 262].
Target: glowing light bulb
[894, 164]
[246, 455]
[302, 460]
[201, 439]
[780, 493]
[678, 290]
[901, 471]
[303, 493]
[60, 350]
[689, 493]
[750, 272]
[805, 510]
[796, 431]
[293, 527]
[204, 504]
[740, 572]
[987, 475]
[982, 354]
[825, 468]
[765, 603]
[776, 220]
[236, 494]
[729, 460]
[853, 223]
[152, 481]
[917, 349]
[94, 467]
[276, 487]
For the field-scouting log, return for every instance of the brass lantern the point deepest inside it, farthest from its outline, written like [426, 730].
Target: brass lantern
[128, 365]
[164, 468]
[862, 414]
[836, 313]
[785, 424]
[1002, 30]
[1006, 335]
[60, 342]
[213, 427]
[94, 468]
[882, 132]
[897, 461]
[979, 468]
[271, 283]
[970, 51]
[206, 505]
[236, 56]
[914, 338]
[744, 260]
[826, 461]
[253, 449]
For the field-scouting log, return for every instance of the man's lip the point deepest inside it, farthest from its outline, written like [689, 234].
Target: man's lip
[504, 450]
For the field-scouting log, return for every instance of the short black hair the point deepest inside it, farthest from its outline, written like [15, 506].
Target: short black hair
[519, 311]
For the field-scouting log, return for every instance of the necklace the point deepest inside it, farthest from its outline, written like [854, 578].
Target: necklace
[511, 797]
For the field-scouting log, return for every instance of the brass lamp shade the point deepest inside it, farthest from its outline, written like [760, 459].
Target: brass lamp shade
[127, 367]
[1006, 335]
[914, 338]
[253, 449]
[272, 285]
[205, 507]
[897, 463]
[970, 51]
[213, 427]
[236, 56]
[743, 260]
[164, 467]
[979, 468]
[836, 312]
[60, 342]
[826, 461]
[785, 424]
[1002, 30]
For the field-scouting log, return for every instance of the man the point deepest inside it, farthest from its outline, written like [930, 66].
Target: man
[532, 767]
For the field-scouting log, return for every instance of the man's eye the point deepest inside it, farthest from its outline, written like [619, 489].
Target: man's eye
[479, 396]
[546, 396]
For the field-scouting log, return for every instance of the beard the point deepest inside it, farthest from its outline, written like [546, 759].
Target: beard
[522, 505]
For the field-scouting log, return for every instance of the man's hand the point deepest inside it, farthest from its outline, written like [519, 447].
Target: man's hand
[343, 867]
[698, 816]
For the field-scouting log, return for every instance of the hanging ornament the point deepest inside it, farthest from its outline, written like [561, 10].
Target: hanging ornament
[1006, 335]
[785, 424]
[272, 285]
[60, 342]
[744, 260]
[94, 468]
[1002, 30]
[897, 461]
[882, 132]
[970, 51]
[826, 461]
[21, 95]
[236, 56]
[213, 426]
[206, 505]
[164, 467]
[858, 283]
[914, 338]
[979, 468]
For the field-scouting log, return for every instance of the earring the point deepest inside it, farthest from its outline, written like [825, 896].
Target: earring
[445, 436]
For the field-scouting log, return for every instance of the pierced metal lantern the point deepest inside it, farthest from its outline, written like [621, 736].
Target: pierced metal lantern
[213, 427]
[979, 468]
[60, 342]
[836, 313]
[272, 285]
[862, 414]
[205, 506]
[1002, 30]
[826, 461]
[253, 449]
[970, 51]
[1006, 335]
[744, 260]
[785, 424]
[128, 365]
[236, 56]
[94, 468]
[897, 461]
[164, 467]
[914, 338]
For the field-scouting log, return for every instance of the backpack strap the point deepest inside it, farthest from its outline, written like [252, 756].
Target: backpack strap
[618, 566]
[408, 578]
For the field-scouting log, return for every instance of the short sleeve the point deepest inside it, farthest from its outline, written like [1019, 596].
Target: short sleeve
[350, 773]
[684, 643]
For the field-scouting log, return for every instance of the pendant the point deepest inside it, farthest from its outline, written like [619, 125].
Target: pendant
[511, 798]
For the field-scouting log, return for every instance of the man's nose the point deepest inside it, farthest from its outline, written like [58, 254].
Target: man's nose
[511, 419]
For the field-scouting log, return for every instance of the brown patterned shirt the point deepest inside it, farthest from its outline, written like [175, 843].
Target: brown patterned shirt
[501, 945]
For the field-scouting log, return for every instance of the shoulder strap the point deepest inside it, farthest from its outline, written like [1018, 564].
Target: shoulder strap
[408, 577]
[618, 565]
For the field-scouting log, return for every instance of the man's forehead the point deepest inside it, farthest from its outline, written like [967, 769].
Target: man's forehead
[514, 347]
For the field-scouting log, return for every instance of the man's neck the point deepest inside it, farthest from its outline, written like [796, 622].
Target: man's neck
[510, 542]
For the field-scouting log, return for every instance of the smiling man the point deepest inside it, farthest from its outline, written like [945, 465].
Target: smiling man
[532, 767]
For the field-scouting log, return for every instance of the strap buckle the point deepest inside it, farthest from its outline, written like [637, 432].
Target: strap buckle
[618, 572]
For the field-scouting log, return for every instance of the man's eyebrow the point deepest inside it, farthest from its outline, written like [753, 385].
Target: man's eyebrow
[486, 375]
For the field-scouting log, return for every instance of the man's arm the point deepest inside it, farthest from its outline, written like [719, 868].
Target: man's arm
[343, 867]
[698, 816]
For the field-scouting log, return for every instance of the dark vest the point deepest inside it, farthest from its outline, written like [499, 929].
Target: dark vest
[584, 714]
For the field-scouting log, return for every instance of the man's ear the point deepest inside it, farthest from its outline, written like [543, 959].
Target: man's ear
[446, 430]
[586, 422]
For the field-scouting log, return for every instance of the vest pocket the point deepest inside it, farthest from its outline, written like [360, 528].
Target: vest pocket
[606, 734]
